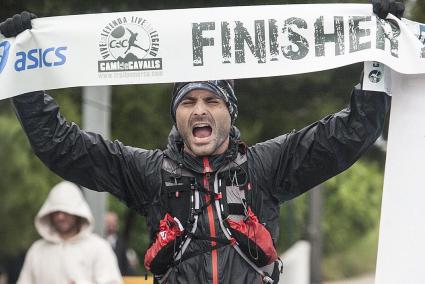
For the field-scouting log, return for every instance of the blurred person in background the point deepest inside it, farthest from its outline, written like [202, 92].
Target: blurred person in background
[68, 253]
[117, 243]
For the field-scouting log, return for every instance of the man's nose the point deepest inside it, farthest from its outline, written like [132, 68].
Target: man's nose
[60, 215]
[200, 108]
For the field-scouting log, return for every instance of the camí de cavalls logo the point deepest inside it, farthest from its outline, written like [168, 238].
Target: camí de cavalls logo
[129, 44]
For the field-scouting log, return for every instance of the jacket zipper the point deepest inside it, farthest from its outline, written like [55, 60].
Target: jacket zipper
[214, 257]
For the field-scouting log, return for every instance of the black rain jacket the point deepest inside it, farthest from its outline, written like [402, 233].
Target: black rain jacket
[279, 169]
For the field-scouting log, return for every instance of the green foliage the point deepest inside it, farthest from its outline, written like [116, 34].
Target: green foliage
[70, 101]
[25, 181]
[293, 222]
[352, 206]
[359, 258]
[141, 115]
[417, 11]
[55, 8]
[24, 185]
[269, 107]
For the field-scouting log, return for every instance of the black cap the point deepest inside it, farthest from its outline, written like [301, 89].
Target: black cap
[222, 88]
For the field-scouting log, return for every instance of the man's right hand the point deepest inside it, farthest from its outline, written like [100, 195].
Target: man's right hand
[17, 24]
[383, 7]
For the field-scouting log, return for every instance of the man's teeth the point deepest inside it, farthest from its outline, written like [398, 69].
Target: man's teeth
[201, 125]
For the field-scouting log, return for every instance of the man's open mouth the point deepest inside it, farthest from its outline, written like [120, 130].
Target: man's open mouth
[202, 131]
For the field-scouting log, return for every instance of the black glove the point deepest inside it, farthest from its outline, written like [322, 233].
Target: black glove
[383, 7]
[17, 24]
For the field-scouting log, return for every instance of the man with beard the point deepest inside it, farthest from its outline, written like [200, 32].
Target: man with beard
[211, 202]
[68, 252]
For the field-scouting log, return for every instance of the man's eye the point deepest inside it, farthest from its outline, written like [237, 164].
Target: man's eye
[187, 102]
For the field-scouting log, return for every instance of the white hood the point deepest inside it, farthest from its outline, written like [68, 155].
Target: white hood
[65, 197]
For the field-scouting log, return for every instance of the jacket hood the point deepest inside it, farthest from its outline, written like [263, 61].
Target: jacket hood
[175, 151]
[65, 197]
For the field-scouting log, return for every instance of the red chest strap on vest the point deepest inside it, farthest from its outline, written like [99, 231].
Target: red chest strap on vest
[253, 239]
[161, 252]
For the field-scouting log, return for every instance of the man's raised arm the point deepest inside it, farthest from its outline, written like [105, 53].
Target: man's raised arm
[78, 156]
[298, 161]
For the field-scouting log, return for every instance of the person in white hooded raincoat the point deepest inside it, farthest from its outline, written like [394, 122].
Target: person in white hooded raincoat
[68, 252]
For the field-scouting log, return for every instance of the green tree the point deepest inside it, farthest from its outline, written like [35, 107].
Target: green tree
[24, 184]
[352, 205]
[351, 219]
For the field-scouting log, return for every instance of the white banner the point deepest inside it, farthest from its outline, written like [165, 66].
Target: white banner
[198, 44]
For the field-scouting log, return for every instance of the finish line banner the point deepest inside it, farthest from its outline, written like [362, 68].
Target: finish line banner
[198, 44]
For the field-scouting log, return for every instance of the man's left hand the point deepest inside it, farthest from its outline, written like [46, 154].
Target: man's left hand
[382, 7]
[17, 24]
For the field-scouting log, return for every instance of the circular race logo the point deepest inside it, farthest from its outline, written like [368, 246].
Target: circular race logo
[129, 44]
[375, 76]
